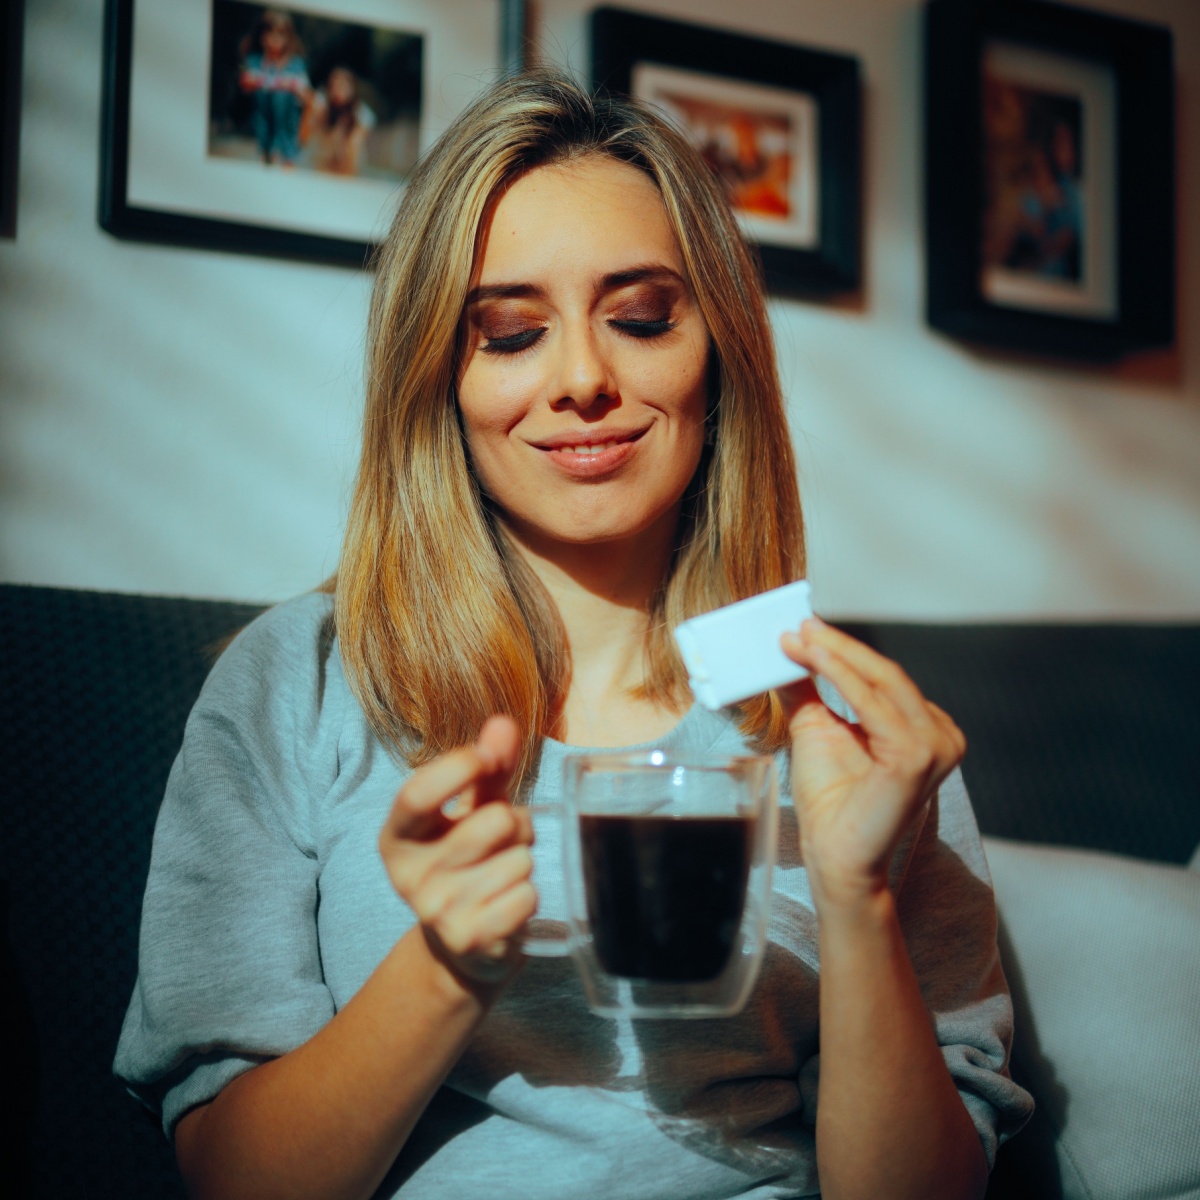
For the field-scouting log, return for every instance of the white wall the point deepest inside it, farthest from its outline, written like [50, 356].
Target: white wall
[185, 422]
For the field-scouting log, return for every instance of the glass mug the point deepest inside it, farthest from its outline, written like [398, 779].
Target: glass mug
[665, 883]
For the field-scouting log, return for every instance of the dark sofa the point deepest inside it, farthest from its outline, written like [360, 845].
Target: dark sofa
[1083, 736]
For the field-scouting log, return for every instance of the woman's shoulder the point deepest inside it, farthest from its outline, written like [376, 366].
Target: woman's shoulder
[284, 634]
[283, 666]
[270, 717]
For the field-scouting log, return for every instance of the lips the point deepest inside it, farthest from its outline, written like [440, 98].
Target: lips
[587, 455]
[583, 440]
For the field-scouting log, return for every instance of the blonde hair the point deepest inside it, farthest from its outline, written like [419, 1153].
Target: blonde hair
[439, 622]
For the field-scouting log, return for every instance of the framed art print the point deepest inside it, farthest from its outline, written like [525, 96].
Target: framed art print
[12, 23]
[779, 124]
[280, 130]
[1049, 178]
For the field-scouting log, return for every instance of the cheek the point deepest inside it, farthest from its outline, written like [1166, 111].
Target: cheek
[489, 408]
[676, 383]
[481, 411]
[492, 397]
[692, 390]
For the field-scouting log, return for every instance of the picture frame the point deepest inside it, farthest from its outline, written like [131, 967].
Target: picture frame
[780, 123]
[202, 145]
[12, 28]
[1049, 178]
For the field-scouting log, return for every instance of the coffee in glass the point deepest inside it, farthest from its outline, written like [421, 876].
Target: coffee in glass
[667, 866]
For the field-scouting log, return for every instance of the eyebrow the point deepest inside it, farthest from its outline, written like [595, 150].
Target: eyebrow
[642, 273]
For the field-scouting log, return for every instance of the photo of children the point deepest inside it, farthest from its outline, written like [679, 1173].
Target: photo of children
[1034, 212]
[293, 90]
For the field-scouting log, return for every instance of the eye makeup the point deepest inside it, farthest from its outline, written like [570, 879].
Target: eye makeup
[645, 310]
[643, 329]
[641, 309]
[513, 343]
[507, 328]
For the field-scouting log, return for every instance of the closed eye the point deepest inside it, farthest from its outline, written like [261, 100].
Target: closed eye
[644, 329]
[514, 343]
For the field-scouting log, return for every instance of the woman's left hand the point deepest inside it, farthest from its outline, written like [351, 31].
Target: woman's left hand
[858, 788]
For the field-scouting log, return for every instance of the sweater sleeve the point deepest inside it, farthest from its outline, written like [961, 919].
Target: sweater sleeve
[948, 913]
[229, 968]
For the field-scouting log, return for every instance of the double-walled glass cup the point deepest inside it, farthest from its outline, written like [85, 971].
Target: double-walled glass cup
[666, 879]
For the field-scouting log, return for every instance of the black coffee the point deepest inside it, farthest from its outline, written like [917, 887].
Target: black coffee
[665, 894]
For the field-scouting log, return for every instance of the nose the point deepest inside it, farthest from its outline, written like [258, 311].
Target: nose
[584, 374]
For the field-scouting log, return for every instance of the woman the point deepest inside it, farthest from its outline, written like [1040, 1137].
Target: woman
[574, 439]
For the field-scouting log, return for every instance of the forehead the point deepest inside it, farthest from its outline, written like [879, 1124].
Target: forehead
[592, 212]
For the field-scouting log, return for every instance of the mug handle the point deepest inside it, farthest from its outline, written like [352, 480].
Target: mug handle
[545, 939]
[547, 934]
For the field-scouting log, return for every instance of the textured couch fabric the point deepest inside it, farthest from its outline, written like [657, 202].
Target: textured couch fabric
[1080, 736]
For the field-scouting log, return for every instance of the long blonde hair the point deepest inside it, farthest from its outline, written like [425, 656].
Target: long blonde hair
[439, 623]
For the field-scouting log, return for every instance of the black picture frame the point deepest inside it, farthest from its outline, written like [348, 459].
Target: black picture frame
[623, 40]
[125, 217]
[1137, 309]
[12, 28]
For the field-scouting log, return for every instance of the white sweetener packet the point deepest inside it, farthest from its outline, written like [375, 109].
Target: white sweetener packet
[733, 653]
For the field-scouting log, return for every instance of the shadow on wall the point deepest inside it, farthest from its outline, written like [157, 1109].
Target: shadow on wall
[1052, 498]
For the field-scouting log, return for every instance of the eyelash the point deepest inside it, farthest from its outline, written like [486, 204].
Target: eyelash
[644, 329]
[527, 338]
[514, 343]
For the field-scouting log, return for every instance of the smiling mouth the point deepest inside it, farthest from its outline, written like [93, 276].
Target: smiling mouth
[591, 459]
[597, 448]
[590, 447]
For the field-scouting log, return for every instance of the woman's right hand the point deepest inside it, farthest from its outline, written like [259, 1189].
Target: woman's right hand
[465, 869]
[329, 1117]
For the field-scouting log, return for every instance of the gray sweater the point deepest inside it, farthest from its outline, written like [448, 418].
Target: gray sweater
[268, 906]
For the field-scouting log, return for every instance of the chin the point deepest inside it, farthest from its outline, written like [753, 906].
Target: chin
[595, 528]
[600, 534]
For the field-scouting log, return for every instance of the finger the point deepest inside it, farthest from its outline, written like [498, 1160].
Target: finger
[953, 734]
[795, 696]
[483, 833]
[501, 738]
[869, 703]
[893, 699]
[897, 740]
[470, 887]
[427, 873]
[416, 811]
[487, 927]
[880, 671]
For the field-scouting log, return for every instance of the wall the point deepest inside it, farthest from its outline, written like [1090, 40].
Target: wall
[185, 421]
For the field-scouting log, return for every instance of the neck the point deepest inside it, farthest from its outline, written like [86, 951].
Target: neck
[603, 593]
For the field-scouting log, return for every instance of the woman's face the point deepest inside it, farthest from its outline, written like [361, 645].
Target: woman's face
[582, 388]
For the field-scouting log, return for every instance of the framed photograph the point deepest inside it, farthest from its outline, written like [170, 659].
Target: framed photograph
[285, 130]
[1049, 178]
[12, 24]
[779, 124]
